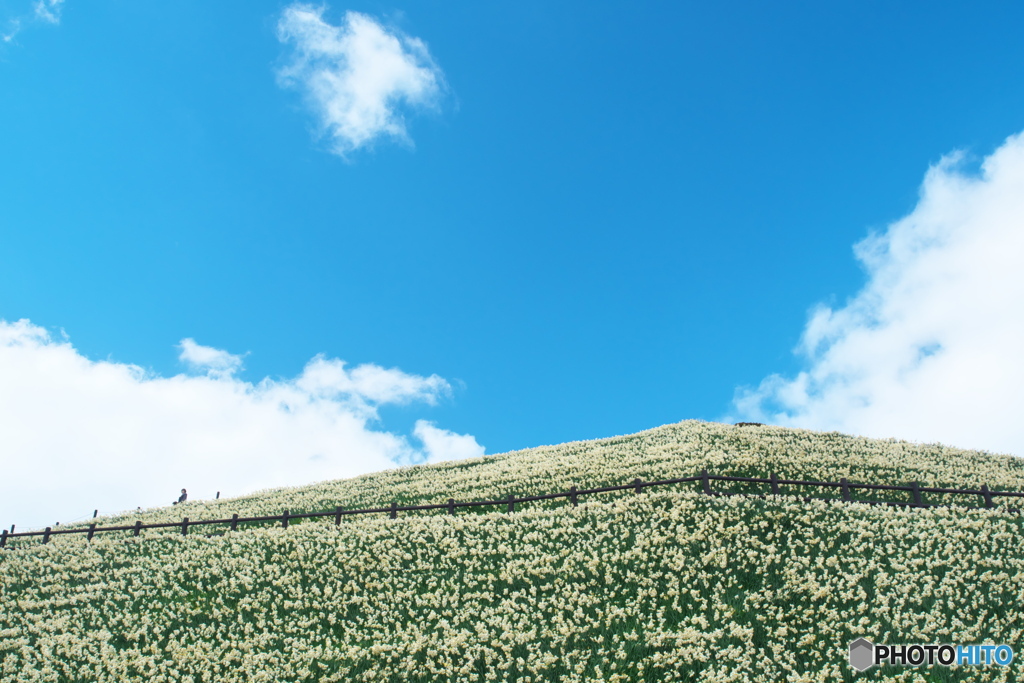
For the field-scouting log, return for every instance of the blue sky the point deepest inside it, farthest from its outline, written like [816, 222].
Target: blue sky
[595, 218]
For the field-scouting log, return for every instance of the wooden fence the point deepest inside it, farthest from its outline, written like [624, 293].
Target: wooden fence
[845, 487]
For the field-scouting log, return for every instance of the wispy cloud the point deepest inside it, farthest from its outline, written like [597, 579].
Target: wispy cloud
[48, 10]
[358, 77]
[930, 348]
[441, 444]
[19, 15]
[79, 434]
[206, 359]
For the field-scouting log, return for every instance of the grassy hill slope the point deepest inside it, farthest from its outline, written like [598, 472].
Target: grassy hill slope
[664, 585]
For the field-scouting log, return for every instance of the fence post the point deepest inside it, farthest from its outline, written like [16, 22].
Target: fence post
[3, 538]
[46, 536]
[234, 521]
[94, 513]
[12, 528]
[511, 502]
[337, 515]
[451, 506]
[915, 487]
[775, 484]
[218, 496]
[846, 489]
[987, 495]
[573, 497]
[138, 527]
[92, 532]
[637, 485]
[184, 527]
[284, 520]
[705, 482]
[394, 511]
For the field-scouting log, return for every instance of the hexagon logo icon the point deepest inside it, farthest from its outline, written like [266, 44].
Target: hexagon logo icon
[862, 654]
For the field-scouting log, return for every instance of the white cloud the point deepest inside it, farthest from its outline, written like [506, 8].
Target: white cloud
[214, 362]
[931, 348]
[327, 377]
[78, 434]
[48, 10]
[442, 445]
[19, 14]
[356, 76]
[11, 29]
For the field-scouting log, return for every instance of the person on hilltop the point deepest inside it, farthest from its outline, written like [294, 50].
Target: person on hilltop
[181, 498]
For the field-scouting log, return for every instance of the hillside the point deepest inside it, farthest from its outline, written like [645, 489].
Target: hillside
[665, 585]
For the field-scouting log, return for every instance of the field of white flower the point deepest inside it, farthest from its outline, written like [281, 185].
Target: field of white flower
[665, 585]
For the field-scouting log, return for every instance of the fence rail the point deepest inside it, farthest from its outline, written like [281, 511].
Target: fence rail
[915, 490]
